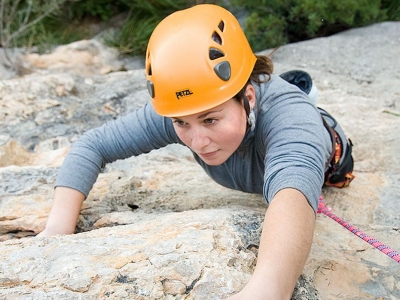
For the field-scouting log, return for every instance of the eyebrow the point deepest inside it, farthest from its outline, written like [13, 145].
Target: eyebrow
[201, 116]
[207, 113]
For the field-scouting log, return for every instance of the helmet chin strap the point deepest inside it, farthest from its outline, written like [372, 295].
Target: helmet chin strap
[246, 105]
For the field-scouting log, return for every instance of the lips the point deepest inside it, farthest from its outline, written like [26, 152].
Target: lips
[208, 154]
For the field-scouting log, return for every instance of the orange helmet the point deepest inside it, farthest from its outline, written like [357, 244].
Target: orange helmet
[197, 59]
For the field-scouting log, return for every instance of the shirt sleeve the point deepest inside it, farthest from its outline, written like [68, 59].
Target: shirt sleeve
[296, 144]
[136, 133]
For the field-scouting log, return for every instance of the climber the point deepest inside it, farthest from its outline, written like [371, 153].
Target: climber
[249, 129]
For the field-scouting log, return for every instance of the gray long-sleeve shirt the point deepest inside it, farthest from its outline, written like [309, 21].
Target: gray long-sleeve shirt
[288, 148]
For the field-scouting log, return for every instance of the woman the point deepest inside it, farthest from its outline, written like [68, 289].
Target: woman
[250, 130]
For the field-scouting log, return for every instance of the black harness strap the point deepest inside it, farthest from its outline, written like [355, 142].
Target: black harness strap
[333, 138]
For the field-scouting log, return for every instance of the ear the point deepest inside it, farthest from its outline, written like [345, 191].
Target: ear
[250, 93]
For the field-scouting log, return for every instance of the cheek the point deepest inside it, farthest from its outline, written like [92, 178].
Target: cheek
[238, 123]
[182, 134]
[237, 130]
[233, 137]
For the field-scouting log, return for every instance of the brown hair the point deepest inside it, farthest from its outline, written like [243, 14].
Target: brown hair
[263, 66]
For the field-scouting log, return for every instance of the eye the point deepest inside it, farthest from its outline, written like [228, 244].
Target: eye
[210, 121]
[179, 122]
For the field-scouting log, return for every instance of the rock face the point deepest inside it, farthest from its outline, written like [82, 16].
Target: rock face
[155, 226]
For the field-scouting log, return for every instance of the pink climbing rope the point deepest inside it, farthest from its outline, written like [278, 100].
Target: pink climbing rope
[370, 240]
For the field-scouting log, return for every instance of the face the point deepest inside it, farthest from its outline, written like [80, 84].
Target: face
[215, 133]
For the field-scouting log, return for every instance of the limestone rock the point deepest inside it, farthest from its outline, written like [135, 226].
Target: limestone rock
[86, 57]
[198, 254]
[155, 226]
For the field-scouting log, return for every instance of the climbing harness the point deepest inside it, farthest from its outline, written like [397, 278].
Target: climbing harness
[340, 164]
[367, 238]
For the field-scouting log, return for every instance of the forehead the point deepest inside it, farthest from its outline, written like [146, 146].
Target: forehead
[226, 106]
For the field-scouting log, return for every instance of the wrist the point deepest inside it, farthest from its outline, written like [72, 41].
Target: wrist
[51, 230]
[266, 288]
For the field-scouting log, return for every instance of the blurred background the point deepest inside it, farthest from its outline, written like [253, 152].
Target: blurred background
[40, 25]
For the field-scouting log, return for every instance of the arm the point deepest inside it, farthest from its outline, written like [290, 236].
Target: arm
[64, 212]
[130, 135]
[284, 246]
[296, 147]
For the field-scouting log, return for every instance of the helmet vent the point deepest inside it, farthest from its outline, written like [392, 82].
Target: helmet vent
[215, 53]
[149, 71]
[217, 38]
[221, 26]
[150, 88]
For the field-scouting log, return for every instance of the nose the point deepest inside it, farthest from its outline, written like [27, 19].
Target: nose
[199, 138]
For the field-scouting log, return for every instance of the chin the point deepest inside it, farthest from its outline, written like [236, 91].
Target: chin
[214, 162]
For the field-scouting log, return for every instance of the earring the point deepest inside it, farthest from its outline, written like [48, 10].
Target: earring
[251, 120]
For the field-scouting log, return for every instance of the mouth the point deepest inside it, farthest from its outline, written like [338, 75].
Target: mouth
[208, 154]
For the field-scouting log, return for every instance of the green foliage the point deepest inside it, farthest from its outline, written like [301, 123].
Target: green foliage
[103, 9]
[269, 23]
[18, 19]
[295, 20]
[132, 38]
[349, 13]
[156, 7]
[69, 24]
[143, 17]
[263, 32]
[393, 9]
